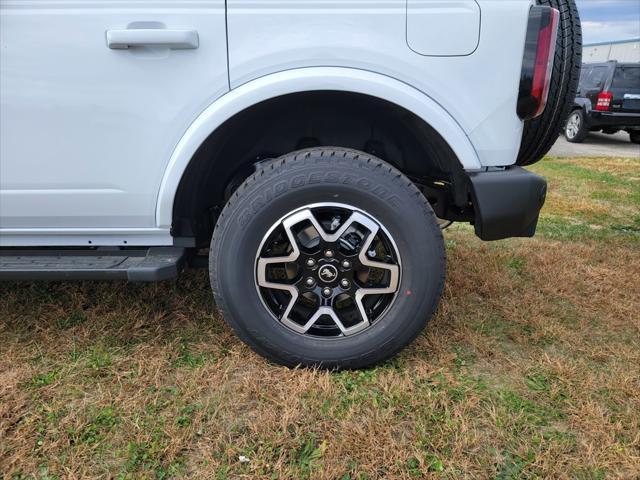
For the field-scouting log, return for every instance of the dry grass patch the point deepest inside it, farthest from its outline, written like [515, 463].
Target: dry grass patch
[529, 370]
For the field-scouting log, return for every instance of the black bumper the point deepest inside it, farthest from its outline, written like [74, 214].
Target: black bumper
[507, 202]
[615, 120]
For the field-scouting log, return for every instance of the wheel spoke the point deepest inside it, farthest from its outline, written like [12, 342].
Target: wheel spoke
[393, 269]
[264, 262]
[263, 282]
[350, 330]
[330, 237]
[394, 274]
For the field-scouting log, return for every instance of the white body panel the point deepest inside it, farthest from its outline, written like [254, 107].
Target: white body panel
[95, 137]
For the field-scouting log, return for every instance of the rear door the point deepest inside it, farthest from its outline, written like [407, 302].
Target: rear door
[625, 88]
[94, 97]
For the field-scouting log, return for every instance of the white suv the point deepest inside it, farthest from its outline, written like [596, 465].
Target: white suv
[311, 145]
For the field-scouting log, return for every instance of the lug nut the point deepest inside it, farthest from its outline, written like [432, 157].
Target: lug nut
[344, 283]
[328, 253]
[310, 282]
[346, 264]
[326, 291]
[310, 262]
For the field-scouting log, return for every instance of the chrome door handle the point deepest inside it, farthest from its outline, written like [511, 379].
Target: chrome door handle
[152, 37]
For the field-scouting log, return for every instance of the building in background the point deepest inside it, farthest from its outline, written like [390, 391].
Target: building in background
[622, 51]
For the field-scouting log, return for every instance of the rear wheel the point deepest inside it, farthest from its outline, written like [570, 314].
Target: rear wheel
[541, 133]
[327, 257]
[576, 129]
[634, 136]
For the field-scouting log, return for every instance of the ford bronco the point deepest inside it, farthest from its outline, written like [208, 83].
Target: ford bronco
[305, 151]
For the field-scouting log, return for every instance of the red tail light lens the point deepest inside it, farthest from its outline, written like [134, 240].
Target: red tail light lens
[544, 62]
[537, 63]
[604, 101]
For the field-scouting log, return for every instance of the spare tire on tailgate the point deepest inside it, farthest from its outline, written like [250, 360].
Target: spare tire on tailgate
[541, 133]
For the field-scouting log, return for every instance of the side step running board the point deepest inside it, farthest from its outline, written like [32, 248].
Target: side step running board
[136, 265]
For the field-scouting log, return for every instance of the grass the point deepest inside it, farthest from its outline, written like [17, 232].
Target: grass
[530, 369]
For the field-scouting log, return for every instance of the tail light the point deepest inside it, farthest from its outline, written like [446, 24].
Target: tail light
[604, 101]
[537, 62]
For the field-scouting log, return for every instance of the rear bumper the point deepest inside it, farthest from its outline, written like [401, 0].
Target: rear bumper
[507, 203]
[612, 119]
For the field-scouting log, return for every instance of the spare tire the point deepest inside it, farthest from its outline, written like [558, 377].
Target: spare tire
[541, 133]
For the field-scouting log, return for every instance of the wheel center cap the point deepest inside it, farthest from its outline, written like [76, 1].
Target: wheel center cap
[328, 273]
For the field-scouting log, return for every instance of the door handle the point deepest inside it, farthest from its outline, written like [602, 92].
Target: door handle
[152, 37]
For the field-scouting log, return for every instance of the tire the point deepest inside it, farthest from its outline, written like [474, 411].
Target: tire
[541, 133]
[576, 128]
[634, 137]
[282, 192]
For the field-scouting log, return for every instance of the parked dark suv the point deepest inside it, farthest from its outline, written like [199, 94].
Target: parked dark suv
[608, 100]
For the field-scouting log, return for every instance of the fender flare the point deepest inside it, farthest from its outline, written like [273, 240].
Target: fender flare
[583, 103]
[304, 80]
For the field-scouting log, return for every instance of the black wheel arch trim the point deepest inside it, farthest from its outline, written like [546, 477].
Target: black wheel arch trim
[582, 103]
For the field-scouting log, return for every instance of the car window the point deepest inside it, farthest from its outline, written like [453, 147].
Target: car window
[627, 77]
[584, 74]
[595, 77]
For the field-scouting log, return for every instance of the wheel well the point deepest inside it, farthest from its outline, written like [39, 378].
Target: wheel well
[309, 119]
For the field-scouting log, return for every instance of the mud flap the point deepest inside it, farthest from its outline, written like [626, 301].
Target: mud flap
[507, 203]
